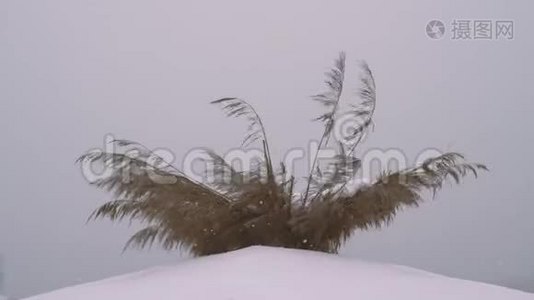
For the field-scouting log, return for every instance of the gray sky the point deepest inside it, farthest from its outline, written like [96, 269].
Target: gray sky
[72, 71]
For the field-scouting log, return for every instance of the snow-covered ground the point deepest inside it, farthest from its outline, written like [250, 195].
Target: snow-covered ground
[282, 274]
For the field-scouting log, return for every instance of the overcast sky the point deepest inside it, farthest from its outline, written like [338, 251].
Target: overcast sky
[73, 71]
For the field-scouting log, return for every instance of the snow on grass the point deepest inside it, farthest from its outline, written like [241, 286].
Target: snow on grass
[257, 273]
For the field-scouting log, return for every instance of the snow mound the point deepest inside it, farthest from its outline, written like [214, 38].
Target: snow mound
[257, 273]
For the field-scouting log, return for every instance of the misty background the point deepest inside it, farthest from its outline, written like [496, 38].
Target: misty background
[73, 71]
